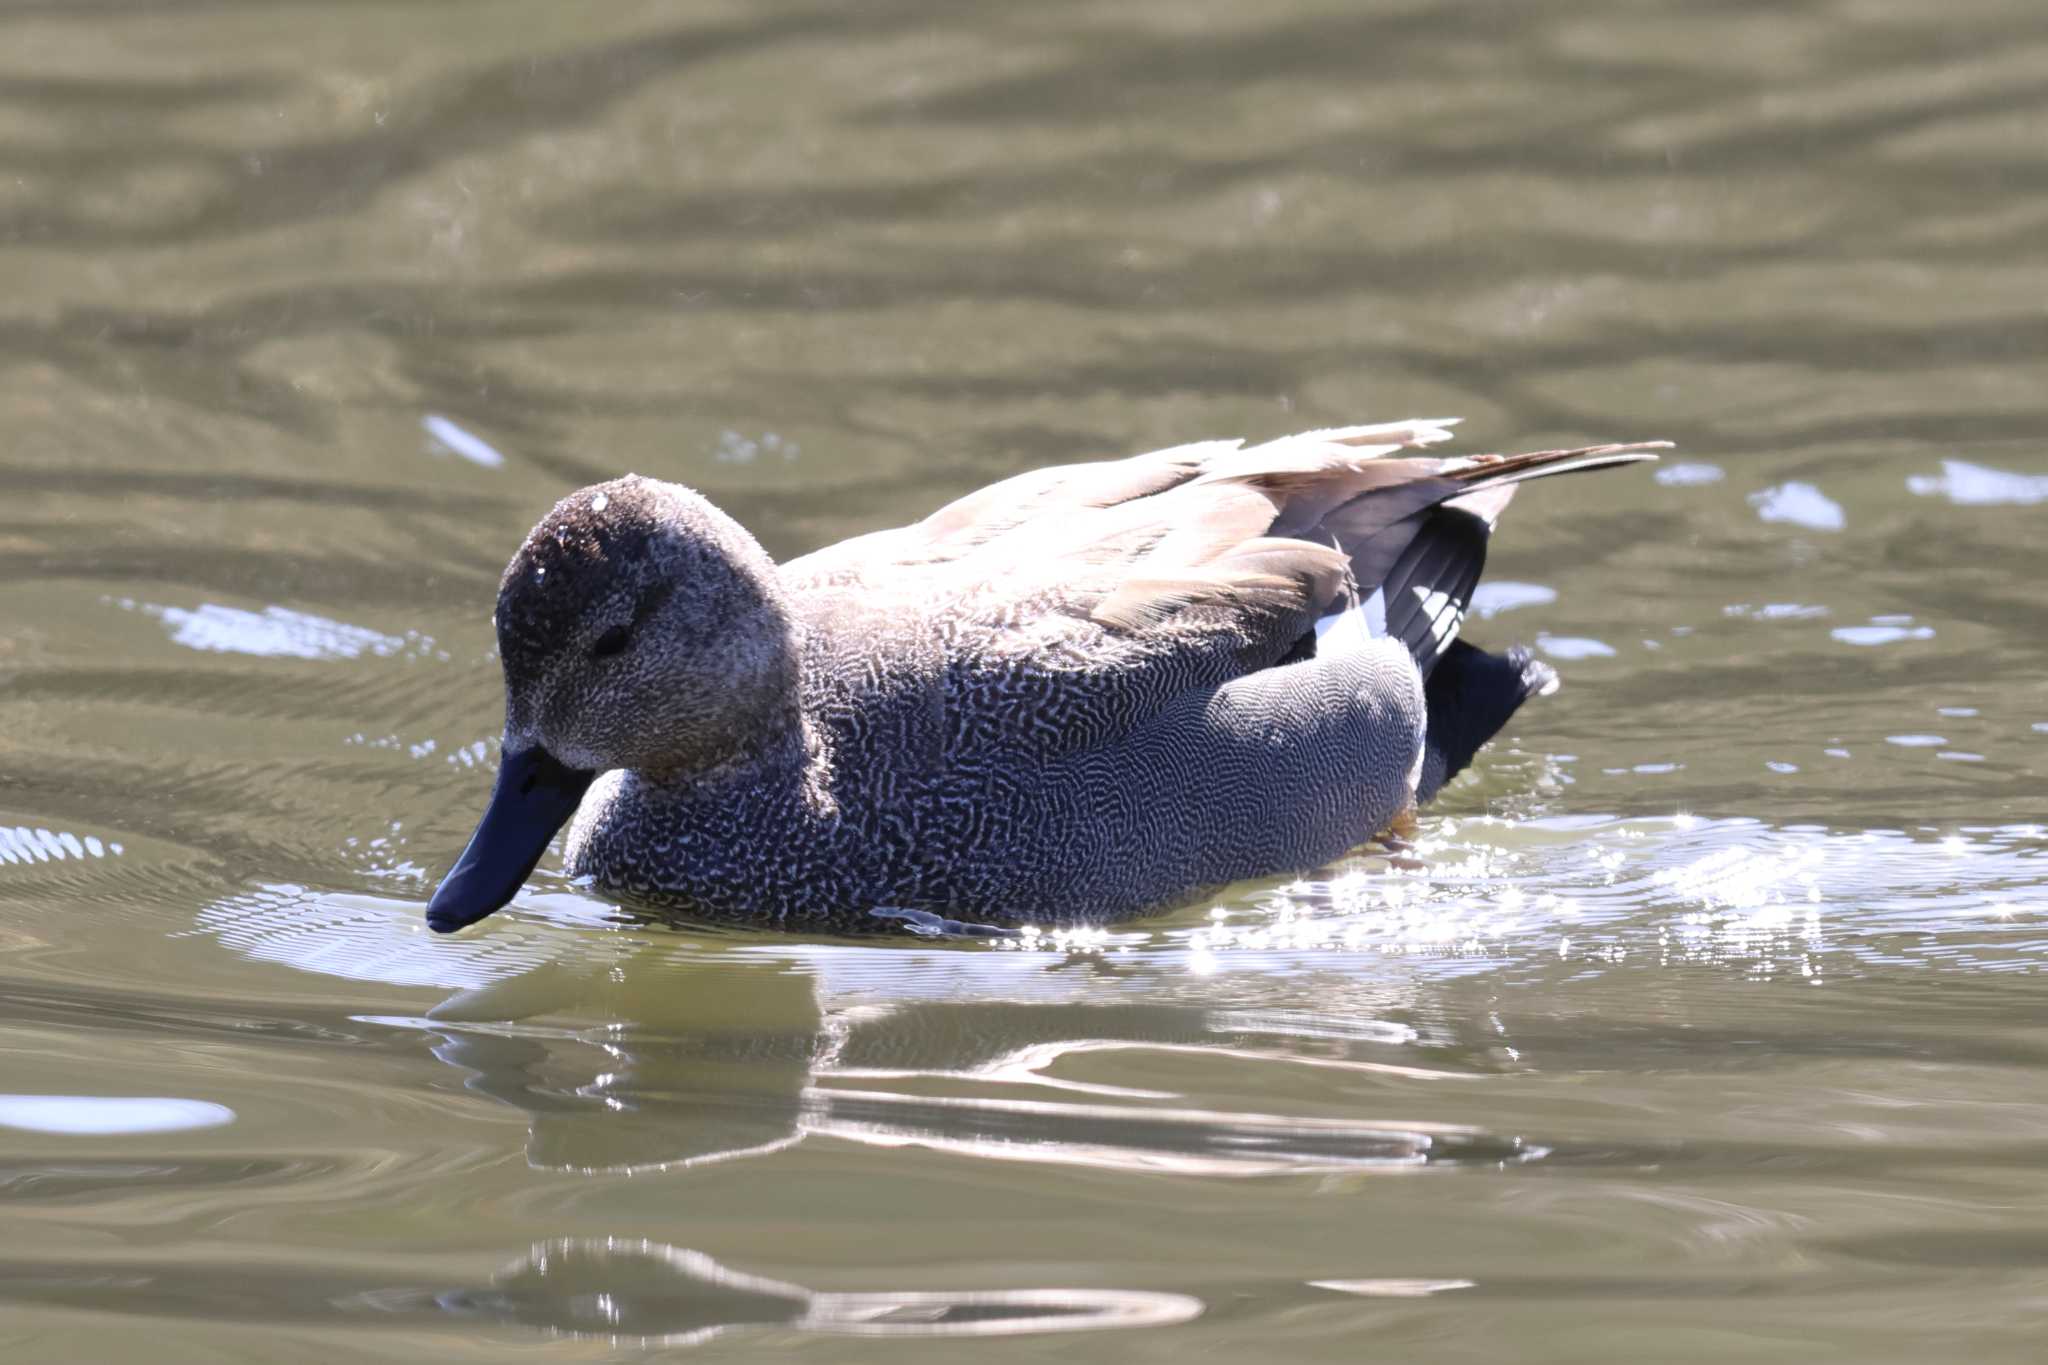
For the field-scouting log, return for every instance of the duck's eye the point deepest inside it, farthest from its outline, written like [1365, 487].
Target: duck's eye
[611, 642]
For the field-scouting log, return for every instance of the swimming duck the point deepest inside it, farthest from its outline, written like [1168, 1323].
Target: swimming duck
[1070, 697]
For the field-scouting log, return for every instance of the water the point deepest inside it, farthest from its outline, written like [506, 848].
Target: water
[1704, 1025]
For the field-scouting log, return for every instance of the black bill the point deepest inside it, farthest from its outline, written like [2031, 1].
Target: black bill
[535, 796]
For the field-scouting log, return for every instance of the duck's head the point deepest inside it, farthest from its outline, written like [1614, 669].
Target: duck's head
[639, 627]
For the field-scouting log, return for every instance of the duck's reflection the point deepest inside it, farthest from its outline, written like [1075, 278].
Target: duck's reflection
[627, 1293]
[652, 1294]
[656, 1060]
[707, 1068]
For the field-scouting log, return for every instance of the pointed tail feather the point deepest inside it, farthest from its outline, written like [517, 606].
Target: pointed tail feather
[1494, 471]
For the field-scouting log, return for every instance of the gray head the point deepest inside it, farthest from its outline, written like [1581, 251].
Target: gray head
[640, 627]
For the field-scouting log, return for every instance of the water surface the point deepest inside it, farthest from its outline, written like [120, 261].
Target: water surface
[1706, 1022]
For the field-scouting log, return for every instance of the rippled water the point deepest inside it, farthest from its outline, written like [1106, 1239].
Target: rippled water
[1706, 1022]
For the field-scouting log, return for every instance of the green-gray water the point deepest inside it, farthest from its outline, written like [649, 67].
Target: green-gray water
[1713, 1027]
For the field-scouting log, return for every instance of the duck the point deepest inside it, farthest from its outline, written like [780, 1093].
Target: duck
[1073, 697]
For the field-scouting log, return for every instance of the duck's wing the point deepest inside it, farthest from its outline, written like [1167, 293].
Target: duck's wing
[988, 514]
[1117, 585]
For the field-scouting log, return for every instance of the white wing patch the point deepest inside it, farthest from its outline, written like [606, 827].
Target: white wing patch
[1351, 628]
[1341, 632]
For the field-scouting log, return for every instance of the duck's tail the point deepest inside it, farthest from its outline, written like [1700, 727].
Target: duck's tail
[1469, 696]
[1416, 575]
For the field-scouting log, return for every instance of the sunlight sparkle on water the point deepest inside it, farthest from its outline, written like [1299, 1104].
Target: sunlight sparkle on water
[452, 438]
[104, 1115]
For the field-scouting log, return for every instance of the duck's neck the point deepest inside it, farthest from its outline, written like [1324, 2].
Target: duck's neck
[777, 752]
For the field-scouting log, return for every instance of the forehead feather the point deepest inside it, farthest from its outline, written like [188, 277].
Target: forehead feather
[585, 553]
